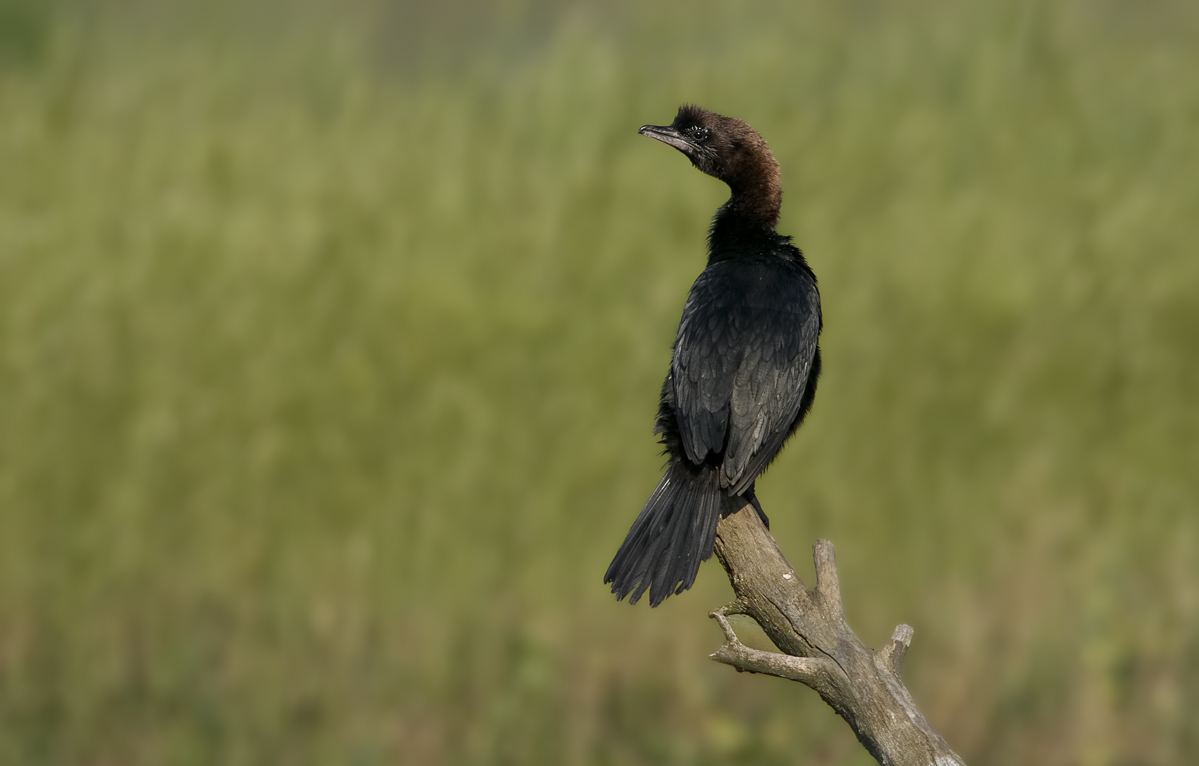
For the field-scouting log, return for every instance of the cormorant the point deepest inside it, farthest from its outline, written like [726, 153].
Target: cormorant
[745, 363]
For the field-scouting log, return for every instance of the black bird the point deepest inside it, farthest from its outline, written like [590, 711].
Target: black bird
[746, 360]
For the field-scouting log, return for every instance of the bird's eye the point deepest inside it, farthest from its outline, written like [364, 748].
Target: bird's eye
[699, 133]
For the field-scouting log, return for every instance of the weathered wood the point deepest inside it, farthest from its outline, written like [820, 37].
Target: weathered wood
[819, 648]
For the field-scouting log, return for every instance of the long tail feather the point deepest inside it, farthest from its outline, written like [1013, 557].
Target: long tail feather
[673, 535]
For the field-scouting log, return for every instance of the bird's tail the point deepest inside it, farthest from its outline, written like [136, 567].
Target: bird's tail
[673, 535]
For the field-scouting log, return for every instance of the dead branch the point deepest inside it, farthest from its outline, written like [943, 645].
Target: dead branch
[818, 647]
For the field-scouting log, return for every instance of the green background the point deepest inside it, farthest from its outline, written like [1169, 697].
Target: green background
[331, 336]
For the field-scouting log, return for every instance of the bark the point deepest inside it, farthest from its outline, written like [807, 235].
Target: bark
[818, 648]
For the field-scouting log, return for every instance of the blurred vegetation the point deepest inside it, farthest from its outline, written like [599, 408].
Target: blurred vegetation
[330, 340]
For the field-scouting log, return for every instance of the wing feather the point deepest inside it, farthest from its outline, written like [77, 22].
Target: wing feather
[742, 359]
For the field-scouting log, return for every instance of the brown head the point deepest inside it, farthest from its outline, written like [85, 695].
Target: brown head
[728, 149]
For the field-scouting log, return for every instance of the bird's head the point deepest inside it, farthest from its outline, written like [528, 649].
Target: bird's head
[728, 149]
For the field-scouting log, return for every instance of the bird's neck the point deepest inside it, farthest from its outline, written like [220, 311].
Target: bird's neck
[756, 184]
[745, 225]
[737, 233]
[757, 202]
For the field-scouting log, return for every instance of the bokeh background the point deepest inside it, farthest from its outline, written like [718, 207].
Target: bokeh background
[331, 335]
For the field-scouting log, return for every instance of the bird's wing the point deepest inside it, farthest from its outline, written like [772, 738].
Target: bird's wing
[767, 393]
[739, 375]
[706, 358]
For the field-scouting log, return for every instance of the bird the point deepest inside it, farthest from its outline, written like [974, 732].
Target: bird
[744, 366]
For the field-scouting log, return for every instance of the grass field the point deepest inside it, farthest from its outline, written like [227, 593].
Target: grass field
[330, 340]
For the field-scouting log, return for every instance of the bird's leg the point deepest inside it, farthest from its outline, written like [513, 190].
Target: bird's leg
[753, 500]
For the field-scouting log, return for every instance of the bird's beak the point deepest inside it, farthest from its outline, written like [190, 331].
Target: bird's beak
[668, 135]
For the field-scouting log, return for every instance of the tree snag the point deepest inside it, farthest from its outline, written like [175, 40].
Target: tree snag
[819, 648]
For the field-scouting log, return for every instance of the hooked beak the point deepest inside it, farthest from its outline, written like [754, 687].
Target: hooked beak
[668, 135]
